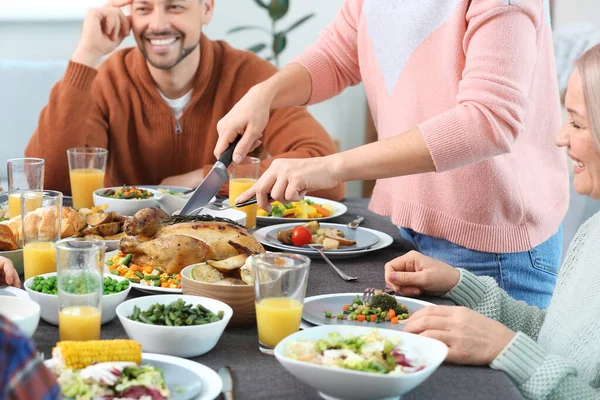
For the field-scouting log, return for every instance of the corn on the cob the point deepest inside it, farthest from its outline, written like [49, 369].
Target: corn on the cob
[78, 355]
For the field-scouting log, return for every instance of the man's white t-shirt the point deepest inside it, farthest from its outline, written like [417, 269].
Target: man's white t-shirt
[178, 105]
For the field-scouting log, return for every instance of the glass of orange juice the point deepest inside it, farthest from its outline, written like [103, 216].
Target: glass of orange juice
[280, 286]
[87, 166]
[80, 267]
[241, 178]
[41, 214]
[24, 174]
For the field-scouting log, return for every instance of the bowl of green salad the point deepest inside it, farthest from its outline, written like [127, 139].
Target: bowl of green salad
[355, 363]
[43, 290]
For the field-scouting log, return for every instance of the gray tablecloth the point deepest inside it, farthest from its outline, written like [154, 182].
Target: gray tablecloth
[258, 376]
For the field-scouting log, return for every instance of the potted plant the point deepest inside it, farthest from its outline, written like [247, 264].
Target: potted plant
[276, 9]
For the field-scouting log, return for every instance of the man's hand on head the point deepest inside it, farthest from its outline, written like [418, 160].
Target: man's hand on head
[103, 31]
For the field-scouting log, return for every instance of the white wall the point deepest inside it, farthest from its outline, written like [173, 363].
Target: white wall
[576, 11]
[38, 30]
[569, 16]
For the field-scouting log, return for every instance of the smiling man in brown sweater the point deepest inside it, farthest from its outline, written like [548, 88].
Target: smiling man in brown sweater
[155, 107]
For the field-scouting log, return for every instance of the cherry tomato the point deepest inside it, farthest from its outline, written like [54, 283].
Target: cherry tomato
[301, 236]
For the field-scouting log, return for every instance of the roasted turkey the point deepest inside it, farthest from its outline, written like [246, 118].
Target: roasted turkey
[154, 240]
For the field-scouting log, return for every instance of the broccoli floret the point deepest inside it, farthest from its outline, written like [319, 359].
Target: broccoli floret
[401, 309]
[385, 301]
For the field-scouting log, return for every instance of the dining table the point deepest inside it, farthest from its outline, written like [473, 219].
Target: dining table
[260, 376]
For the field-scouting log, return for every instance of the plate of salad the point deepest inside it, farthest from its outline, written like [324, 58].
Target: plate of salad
[119, 369]
[307, 209]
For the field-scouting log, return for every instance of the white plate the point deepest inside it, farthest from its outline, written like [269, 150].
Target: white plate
[340, 210]
[138, 286]
[313, 313]
[154, 289]
[195, 377]
[13, 292]
[211, 383]
[178, 189]
[384, 241]
[363, 237]
[112, 245]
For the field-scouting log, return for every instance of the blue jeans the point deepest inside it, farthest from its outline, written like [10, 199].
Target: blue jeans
[529, 276]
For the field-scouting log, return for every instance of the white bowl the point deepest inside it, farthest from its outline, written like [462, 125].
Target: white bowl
[338, 383]
[179, 341]
[171, 204]
[22, 312]
[49, 302]
[126, 207]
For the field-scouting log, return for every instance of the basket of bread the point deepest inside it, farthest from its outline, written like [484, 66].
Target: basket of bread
[92, 223]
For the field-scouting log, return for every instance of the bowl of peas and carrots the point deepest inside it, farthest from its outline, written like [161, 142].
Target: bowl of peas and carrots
[126, 200]
[43, 290]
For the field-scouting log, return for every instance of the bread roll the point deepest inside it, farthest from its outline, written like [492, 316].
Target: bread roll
[14, 224]
[42, 224]
[7, 239]
[72, 222]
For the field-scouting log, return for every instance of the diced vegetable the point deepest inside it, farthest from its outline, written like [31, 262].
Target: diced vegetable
[122, 265]
[128, 192]
[303, 209]
[359, 311]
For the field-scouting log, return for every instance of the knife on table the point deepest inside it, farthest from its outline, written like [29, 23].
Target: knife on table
[212, 182]
[225, 374]
[354, 224]
[352, 227]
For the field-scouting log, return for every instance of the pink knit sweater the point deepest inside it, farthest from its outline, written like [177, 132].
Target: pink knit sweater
[478, 78]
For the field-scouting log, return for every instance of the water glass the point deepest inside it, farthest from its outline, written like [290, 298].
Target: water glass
[80, 268]
[241, 178]
[280, 285]
[87, 166]
[23, 174]
[41, 216]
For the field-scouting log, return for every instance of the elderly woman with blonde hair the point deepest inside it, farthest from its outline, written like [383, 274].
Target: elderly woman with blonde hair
[548, 354]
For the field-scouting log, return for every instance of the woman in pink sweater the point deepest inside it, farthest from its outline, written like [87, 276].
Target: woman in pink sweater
[465, 100]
